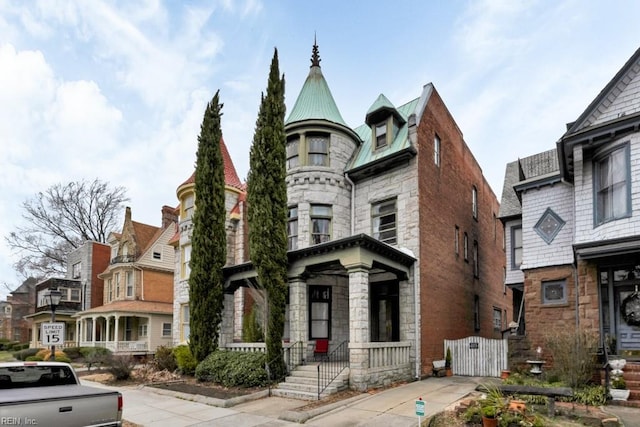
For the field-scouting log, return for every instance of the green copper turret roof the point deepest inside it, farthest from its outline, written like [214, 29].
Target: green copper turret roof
[315, 100]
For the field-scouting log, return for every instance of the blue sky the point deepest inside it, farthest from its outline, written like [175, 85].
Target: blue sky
[116, 90]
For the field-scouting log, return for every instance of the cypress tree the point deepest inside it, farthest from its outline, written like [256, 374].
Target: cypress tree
[209, 248]
[267, 211]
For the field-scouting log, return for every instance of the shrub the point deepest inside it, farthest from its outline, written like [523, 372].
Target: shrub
[8, 345]
[164, 360]
[120, 366]
[186, 362]
[95, 356]
[73, 353]
[45, 354]
[574, 356]
[27, 352]
[233, 369]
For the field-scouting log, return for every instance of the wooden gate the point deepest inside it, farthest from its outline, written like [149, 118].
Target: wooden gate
[477, 356]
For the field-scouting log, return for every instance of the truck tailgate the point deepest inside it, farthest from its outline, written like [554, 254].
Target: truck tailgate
[67, 405]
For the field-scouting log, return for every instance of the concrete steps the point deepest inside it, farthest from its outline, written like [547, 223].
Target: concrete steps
[303, 384]
[631, 375]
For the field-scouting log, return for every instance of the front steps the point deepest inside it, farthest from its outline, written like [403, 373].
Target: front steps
[631, 375]
[303, 384]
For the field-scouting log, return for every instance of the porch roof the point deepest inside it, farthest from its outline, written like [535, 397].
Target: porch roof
[360, 249]
[130, 306]
[606, 248]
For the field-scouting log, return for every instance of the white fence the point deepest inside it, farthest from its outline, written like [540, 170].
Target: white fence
[477, 356]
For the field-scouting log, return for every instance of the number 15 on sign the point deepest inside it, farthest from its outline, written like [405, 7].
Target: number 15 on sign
[52, 333]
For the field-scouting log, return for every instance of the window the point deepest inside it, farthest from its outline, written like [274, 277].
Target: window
[114, 251]
[476, 266]
[129, 283]
[186, 259]
[497, 319]
[117, 280]
[554, 292]
[188, 205]
[109, 290]
[466, 247]
[320, 312]
[142, 330]
[293, 156]
[612, 177]
[476, 312]
[383, 219]
[318, 150]
[320, 224]
[516, 247]
[185, 329]
[436, 150]
[157, 252]
[166, 329]
[292, 228]
[74, 295]
[75, 270]
[474, 202]
[549, 225]
[456, 240]
[381, 134]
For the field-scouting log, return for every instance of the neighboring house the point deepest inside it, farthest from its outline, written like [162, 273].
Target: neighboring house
[572, 225]
[21, 301]
[394, 241]
[237, 244]
[5, 320]
[81, 289]
[135, 315]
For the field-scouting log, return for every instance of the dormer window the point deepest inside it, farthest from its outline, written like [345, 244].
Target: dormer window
[381, 135]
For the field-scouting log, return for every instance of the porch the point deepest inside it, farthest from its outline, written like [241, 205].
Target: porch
[357, 293]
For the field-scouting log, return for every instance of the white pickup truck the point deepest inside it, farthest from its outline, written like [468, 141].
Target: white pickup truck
[49, 394]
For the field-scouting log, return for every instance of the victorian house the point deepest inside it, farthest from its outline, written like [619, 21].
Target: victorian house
[80, 289]
[572, 226]
[394, 241]
[135, 311]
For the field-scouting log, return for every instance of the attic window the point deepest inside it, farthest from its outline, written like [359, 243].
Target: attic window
[157, 253]
[381, 134]
[318, 150]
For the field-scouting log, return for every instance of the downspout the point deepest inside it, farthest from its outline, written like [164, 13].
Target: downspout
[353, 202]
[416, 303]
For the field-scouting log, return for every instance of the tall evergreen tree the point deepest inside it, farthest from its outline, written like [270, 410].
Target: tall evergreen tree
[267, 205]
[209, 247]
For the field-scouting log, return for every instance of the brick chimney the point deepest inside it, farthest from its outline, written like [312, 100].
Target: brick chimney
[169, 216]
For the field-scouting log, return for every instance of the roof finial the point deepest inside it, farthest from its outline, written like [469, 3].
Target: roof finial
[315, 57]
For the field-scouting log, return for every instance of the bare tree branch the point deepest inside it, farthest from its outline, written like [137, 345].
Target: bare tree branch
[59, 219]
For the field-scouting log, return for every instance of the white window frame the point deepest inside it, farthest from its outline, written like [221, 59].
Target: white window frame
[76, 270]
[612, 200]
[436, 150]
[474, 202]
[185, 322]
[382, 229]
[186, 261]
[292, 228]
[129, 284]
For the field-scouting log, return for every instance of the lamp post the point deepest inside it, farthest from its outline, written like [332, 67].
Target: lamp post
[54, 299]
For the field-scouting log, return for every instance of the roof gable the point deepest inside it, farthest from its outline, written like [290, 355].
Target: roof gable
[620, 97]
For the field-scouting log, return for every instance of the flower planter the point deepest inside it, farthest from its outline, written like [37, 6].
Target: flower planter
[617, 394]
[489, 422]
[504, 374]
[516, 405]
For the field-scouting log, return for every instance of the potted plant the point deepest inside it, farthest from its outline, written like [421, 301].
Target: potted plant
[489, 416]
[492, 406]
[619, 388]
[447, 362]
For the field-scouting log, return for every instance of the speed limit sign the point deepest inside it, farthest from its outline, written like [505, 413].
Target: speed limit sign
[52, 333]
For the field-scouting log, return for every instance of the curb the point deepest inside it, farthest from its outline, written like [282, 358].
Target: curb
[211, 401]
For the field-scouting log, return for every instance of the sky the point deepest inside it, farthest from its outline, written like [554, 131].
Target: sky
[116, 90]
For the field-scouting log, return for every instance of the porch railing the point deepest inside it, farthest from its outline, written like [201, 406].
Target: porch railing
[247, 347]
[118, 346]
[293, 356]
[332, 366]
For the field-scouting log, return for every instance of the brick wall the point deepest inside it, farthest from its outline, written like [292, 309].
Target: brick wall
[447, 282]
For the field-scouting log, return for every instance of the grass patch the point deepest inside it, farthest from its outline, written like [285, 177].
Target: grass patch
[6, 356]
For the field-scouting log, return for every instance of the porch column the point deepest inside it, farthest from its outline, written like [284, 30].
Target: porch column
[108, 329]
[117, 332]
[94, 331]
[78, 332]
[238, 312]
[359, 305]
[359, 335]
[298, 314]
[227, 323]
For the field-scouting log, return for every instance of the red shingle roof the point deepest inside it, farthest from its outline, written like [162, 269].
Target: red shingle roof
[230, 174]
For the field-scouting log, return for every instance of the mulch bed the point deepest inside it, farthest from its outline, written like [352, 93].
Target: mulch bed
[206, 389]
